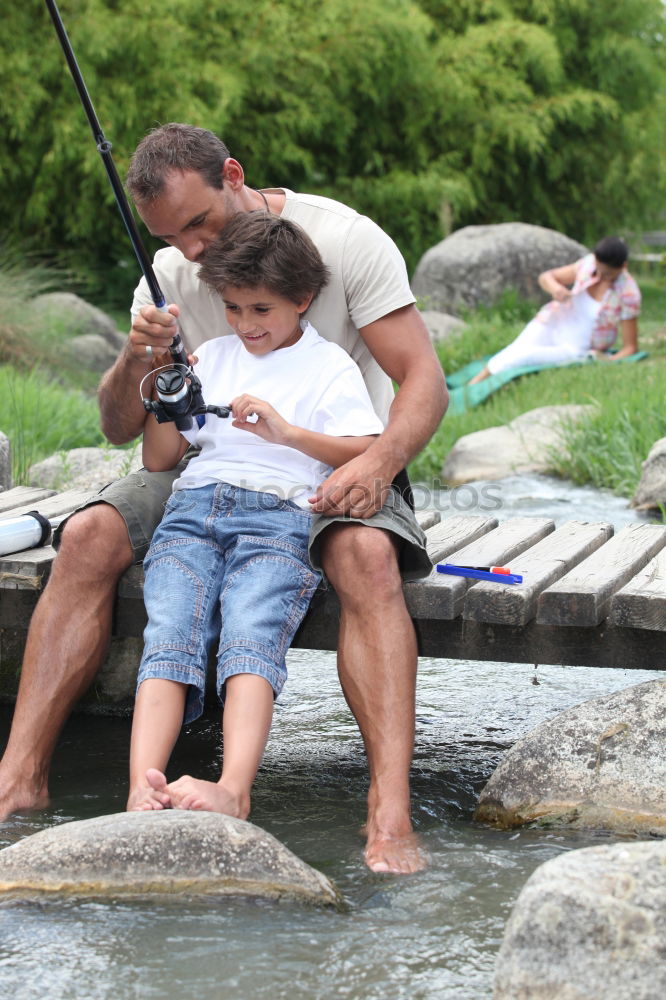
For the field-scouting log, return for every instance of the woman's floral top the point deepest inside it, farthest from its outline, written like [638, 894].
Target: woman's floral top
[621, 301]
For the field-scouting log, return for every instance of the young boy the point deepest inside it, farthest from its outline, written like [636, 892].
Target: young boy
[229, 560]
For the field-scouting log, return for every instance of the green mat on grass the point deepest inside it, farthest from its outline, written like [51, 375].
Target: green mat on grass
[463, 397]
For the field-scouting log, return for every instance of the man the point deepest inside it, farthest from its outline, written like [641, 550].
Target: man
[186, 186]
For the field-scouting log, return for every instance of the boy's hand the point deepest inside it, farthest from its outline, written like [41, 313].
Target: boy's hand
[269, 425]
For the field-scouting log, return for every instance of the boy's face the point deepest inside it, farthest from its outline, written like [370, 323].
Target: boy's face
[264, 321]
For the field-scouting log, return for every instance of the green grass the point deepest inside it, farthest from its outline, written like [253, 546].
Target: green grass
[607, 450]
[41, 417]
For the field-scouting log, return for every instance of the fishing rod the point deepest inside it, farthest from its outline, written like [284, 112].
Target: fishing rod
[178, 389]
[179, 396]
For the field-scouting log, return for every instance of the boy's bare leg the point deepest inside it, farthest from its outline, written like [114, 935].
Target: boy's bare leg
[66, 645]
[246, 722]
[157, 720]
[377, 657]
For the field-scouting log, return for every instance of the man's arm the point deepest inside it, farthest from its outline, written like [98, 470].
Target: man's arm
[122, 415]
[401, 345]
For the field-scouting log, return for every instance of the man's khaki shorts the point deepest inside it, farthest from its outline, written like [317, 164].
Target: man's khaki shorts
[139, 499]
[396, 517]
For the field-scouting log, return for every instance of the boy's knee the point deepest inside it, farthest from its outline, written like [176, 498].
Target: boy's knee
[95, 537]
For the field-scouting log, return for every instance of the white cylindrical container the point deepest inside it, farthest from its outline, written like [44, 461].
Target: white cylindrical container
[23, 532]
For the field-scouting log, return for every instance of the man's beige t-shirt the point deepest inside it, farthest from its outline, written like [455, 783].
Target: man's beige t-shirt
[368, 280]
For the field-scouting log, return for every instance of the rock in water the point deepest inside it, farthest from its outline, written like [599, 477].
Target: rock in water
[589, 924]
[600, 764]
[160, 852]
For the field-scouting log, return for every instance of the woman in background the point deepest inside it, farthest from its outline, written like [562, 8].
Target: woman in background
[592, 300]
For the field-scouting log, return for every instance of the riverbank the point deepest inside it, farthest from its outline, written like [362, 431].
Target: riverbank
[47, 402]
[607, 451]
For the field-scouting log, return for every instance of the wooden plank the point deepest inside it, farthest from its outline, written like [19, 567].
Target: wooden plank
[540, 566]
[583, 596]
[19, 496]
[27, 570]
[441, 597]
[601, 646]
[56, 505]
[427, 518]
[642, 602]
[454, 532]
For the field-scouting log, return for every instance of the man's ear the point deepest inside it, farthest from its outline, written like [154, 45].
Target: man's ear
[232, 174]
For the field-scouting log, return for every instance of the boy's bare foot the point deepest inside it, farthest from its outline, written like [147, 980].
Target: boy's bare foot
[17, 795]
[152, 795]
[211, 796]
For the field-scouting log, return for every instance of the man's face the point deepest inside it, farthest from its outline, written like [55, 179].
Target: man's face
[189, 214]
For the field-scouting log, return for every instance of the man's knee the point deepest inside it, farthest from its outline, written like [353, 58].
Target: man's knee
[95, 538]
[361, 561]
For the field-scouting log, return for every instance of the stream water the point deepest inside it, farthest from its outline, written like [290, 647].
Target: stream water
[432, 935]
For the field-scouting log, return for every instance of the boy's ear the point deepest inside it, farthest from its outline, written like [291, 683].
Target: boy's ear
[302, 306]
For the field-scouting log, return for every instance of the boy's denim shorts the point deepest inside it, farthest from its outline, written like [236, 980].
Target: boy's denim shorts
[225, 563]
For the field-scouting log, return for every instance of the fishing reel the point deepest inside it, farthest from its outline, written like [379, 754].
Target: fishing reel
[179, 397]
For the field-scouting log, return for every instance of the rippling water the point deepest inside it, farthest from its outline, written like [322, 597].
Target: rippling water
[433, 935]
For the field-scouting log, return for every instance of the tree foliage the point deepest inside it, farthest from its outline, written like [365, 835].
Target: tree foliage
[426, 115]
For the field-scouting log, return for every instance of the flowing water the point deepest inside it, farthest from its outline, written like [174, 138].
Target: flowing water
[432, 935]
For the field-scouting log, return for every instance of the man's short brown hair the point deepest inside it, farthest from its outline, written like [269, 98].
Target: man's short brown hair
[174, 147]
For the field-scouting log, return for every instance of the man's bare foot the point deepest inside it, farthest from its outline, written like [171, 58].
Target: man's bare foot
[210, 796]
[152, 795]
[391, 844]
[19, 795]
[395, 855]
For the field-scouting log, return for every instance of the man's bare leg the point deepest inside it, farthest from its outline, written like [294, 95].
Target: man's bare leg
[66, 645]
[246, 722]
[377, 657]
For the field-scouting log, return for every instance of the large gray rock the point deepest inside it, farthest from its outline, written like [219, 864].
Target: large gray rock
[651, 490]
[474, 265]
[84, 468]
[166, 852]
[599, 765]
[440, 325]
[77, 316]
[589, 924]
[5, 463]
[526, 444]
[92, 352]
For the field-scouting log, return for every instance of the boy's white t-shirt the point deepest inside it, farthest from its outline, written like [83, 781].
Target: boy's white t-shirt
[312, 384]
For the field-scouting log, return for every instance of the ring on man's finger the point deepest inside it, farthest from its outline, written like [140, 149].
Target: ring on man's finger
[149, 351]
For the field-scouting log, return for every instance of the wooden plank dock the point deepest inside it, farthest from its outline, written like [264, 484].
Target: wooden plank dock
[589, 596]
